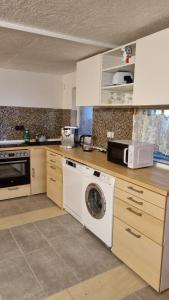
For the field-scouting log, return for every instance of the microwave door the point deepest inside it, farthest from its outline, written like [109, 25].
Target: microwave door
[116, 153]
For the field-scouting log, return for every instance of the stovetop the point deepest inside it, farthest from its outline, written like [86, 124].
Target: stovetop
[30, 144]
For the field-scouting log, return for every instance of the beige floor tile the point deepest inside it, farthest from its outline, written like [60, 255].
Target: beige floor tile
[60, 296]
[112, 285]
[29, 217]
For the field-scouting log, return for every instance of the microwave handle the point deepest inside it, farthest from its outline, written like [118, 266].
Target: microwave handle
[125, 156]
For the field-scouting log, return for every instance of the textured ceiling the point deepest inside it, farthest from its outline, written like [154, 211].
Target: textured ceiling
[31, 52]
[108, 21]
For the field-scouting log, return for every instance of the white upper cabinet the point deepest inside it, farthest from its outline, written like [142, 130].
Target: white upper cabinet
[152, 70]
[69, 85]
[88, 81]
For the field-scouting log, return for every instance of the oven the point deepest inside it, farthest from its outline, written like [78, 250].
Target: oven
[14, 168]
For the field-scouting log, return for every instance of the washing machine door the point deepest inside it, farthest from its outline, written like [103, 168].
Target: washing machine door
[95, 201]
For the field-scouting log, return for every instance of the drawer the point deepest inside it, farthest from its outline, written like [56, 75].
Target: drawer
[52, 170]
[141, 221]
[14, 192]
[138, 252]
[140, 192]
[54, 158]
[141, 204]
[54, 189]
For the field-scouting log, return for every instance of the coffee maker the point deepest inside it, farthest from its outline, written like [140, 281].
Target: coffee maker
[69, 136]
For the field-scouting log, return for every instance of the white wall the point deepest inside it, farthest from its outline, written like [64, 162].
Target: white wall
[29, 89]
[69, 83]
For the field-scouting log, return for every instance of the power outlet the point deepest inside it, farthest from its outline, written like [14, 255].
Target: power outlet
[110, 134]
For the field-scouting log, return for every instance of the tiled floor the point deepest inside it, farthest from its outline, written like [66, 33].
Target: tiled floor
[24, 204]
[45, 257]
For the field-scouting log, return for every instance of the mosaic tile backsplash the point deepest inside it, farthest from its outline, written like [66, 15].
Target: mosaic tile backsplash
[38, 120]
[120, 121]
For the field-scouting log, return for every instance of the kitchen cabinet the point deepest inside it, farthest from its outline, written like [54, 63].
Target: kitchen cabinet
[140, 232]
[152, 70]
[69, 88]
[88, 81]
[55, 178]
[38, 171]
[15, 191]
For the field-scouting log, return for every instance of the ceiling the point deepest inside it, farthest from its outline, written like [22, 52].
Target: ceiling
[69, 30]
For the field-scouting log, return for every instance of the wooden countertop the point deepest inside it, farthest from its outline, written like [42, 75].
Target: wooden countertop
[152, 178]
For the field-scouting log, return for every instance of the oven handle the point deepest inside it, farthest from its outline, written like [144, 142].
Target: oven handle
[125, 156]
[12, 161]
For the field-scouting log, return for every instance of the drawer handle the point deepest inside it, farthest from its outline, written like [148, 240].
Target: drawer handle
[135, 190]
[53, 161]
[51, 154]
[134, 212]
[138, 236]
[13, 188]
[137, 202]
[54, 168]
[52, 179]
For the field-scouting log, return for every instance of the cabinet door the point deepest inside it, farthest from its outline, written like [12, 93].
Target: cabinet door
[38, 171]
[88, 81]
[152, 70]
[137, 251]
[55, 185]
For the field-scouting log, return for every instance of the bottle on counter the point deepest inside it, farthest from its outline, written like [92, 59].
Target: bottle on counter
[26, 135]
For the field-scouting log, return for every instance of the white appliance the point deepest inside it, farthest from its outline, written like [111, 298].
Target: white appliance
[132, 154]
[97, 206]
[72, 188]
[69, 137]
[122, 77]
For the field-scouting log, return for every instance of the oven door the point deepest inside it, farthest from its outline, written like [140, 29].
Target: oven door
[117, 153]
[14, 172]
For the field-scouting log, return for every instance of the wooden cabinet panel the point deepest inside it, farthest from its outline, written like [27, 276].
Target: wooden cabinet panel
[55, 178]
[141, 221]
[38, 171]
[88, 81]
[140, 192]
[139, 252]
[54, 159]
[141, 204]
[152, 70]
[15, 191]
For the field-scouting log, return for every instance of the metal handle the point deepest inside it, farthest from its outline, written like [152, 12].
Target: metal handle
[52, 180]
[51, 154]
[12, 162]
[125, 156]
[13, 188]
[33, 172]
[134, 212]
[53, 161]
[138, 236]
[137, 202]
[54, 168]
[135, 190]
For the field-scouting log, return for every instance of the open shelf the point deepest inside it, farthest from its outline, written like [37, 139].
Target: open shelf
[123, 67]
[121, 87]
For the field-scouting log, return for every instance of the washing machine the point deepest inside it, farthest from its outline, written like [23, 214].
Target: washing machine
[97, 204]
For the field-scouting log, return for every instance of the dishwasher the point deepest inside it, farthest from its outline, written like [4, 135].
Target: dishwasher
[72, 187]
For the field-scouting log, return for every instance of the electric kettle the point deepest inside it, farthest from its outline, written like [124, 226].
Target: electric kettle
[86, 142]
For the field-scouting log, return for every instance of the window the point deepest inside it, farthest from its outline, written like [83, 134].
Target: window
[152, 126]
[85, 120]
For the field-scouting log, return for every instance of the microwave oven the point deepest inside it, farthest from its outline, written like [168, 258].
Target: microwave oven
[132, 154]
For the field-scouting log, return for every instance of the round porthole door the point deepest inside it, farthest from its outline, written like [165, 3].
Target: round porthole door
[95, 201]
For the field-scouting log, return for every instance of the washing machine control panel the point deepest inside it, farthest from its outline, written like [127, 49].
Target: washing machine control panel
[96, 173]
[103, 177]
